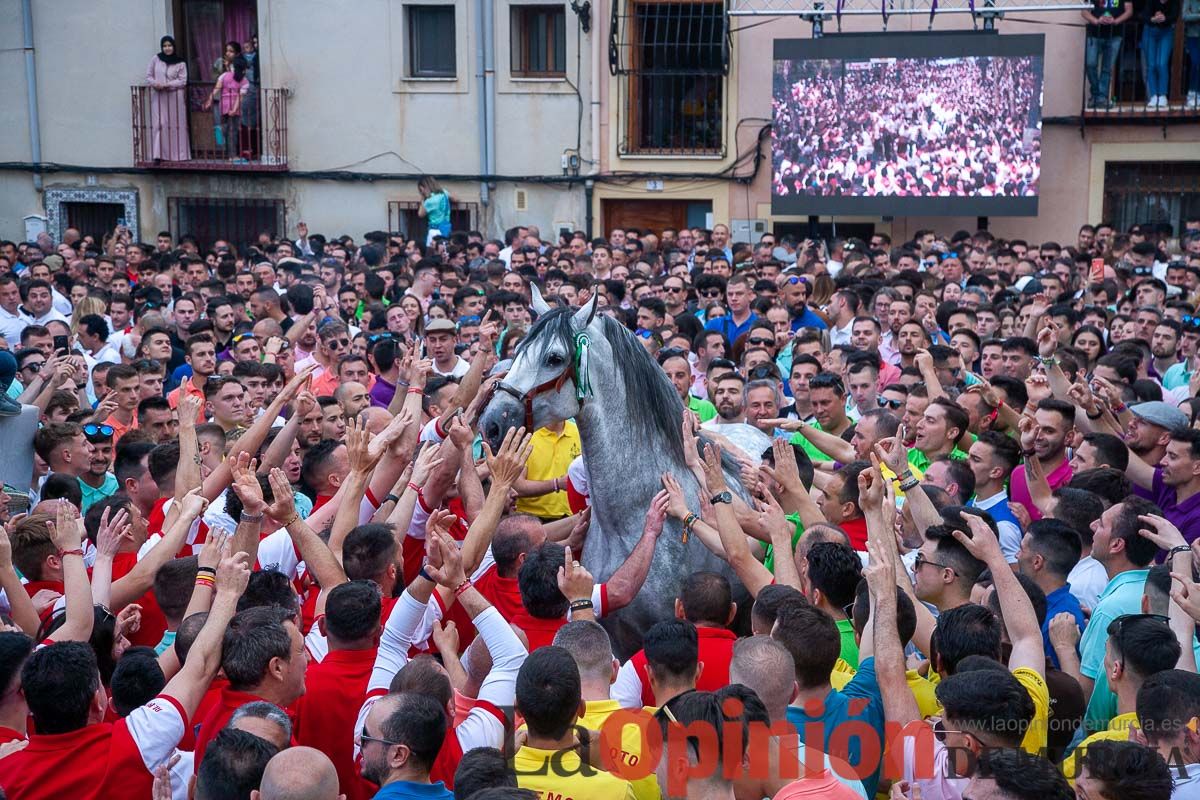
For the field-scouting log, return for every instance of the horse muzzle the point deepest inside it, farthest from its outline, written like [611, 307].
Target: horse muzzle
[502, 413]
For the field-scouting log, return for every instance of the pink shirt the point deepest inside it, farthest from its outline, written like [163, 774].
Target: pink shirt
[231, 90]
[1018, 486]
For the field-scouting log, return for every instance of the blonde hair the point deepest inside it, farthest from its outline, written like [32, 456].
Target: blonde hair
[88, 305]
[430, 185]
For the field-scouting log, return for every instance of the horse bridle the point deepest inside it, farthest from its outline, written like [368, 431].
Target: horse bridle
[576, 367]
[526, 398]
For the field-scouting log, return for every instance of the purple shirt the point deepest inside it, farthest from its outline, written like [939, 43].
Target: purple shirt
[1185, 515]
[1018, 486]
[382, 392]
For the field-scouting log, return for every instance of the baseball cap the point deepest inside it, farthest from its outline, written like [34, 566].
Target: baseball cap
[1164, 415]
[440, 325]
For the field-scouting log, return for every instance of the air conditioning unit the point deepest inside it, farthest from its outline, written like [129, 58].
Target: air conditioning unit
[521, 200]
[747, 230]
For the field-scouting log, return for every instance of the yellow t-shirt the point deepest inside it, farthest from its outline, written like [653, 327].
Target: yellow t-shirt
[922, 689]
[552, 454]
[553, 773]
[1118, 731]
[596, 714]
[1034, 742]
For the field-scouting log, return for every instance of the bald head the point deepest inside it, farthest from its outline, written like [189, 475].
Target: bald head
[375, 419]
[764, 665]
[817, 534]
[299, 773]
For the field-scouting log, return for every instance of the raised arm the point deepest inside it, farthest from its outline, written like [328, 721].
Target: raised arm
[187, 472]
[1168, 537]
[66, 533]
[749, 569]
[23, 612]
[505, 466]
[204, 658]
[794, 498]
[835, 447]
[109, 538]
[627, 580]
[281, 446]
[203, 592]
[140, 579]
[244, 470]
[1020, 621]
[362, 463]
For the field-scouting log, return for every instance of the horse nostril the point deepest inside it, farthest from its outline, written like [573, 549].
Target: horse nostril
[492, 432]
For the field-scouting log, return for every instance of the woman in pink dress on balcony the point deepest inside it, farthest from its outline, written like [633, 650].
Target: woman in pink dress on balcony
[167, 76]
[231, 87]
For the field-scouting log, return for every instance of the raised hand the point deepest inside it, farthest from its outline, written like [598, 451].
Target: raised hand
[574, 581]
[691, 441]
[870, 489]
[923, 360]
[1047, 339]
[1037, 386]
[1027, 426]
[508, 464]
[129, 621]
[304, 405]
[6, 562]
[283, 506]
[982, 543]
[1186, 594]
[1064, 631]
[194, 504]
[429, 459]
[714, 475]
[246, 485]
[656, 515]
[676, 500]
[770, 513]
[445, 637]
[358, 448]
[113, 533]
[65, 531]
[440, 522]
[449, 573]
[785, 472]
[189, 404]
[789, 425]
[233, 573]
[213, 547]
[1161, 531]
[892, 453]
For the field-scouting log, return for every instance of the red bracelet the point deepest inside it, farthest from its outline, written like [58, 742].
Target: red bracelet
[414, 487]
[415, 390]
[76, 552]
[462, 587]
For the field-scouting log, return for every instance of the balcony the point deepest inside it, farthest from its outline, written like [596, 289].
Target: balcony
[1128, 92]
[178, 133]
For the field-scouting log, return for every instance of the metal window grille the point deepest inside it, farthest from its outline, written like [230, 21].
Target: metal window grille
[1126, 93]
[236, 220]
[431, 42]
[1151, 191]
[672, 59]
[403, 218]
[256, 142]
[539, 41]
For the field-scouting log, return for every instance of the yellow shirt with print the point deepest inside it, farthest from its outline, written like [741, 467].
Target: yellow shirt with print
[559, 773]
[1035, 739]
[552, 454]
[1118, 730]
[596, 714]
[922, 689]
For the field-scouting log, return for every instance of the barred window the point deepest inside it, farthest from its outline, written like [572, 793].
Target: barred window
[1140, 192]
[673, 58]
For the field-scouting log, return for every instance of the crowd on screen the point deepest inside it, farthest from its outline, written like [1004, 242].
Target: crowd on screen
[264, 552]
[962, 127]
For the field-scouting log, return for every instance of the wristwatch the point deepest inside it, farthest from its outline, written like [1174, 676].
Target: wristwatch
[722, 497]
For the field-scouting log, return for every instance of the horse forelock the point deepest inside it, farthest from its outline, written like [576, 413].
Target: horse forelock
[652, 407]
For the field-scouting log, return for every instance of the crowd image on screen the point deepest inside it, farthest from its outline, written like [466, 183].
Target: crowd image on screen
[911, 127]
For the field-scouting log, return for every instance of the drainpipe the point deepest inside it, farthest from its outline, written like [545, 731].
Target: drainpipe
[481, 76]
[595, 108]
[489, 83]
[35, 131]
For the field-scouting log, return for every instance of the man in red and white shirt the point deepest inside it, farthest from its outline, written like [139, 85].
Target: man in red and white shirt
[73, 753]
[705, 601]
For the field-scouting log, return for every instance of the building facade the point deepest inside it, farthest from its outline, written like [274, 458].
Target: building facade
[566, 115]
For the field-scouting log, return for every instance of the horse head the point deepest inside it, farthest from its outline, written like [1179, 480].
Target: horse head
[543, 385]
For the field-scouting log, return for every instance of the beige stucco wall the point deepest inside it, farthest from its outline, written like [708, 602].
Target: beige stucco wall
[351, 107]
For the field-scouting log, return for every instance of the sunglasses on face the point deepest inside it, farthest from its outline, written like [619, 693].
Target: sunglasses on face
[759, 340]
[886, 403]
[922, 560]
[102, 430]
[642, 333]
[711, 293]
[338, 344]
[34, 365]
[672, 288]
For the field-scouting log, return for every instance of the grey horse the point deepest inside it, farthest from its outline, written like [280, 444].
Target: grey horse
[629, 420]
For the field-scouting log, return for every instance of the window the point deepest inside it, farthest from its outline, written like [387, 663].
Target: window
[674, 57]
[237, 221]
[539, 42]
[431, 42]
[1137, 192]
[404, 219]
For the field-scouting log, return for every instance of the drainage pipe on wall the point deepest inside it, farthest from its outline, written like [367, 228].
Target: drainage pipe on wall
[35, 129]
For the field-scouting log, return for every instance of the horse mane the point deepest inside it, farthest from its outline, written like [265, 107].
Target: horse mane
[654, 410]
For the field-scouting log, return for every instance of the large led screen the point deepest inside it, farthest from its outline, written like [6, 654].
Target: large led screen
[900, 124]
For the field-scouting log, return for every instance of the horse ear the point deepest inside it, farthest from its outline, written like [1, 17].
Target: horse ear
[539, 305]
[584, 316]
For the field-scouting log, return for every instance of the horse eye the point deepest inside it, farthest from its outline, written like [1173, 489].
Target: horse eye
[554, 360]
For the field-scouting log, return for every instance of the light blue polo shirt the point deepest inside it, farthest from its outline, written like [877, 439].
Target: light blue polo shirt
[1122, 595]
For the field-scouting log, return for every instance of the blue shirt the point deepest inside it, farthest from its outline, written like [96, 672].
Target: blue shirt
[859, 702]
[808, 319]
[423, 791]
[1057, 602]
[728, 328]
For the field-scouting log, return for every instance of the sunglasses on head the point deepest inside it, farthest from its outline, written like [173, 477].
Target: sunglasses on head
[93, 430]
[241, 337]
[794, 279]
[642, 333]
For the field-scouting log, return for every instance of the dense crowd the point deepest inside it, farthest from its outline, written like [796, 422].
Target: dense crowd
[933, 127]
[264, 552]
